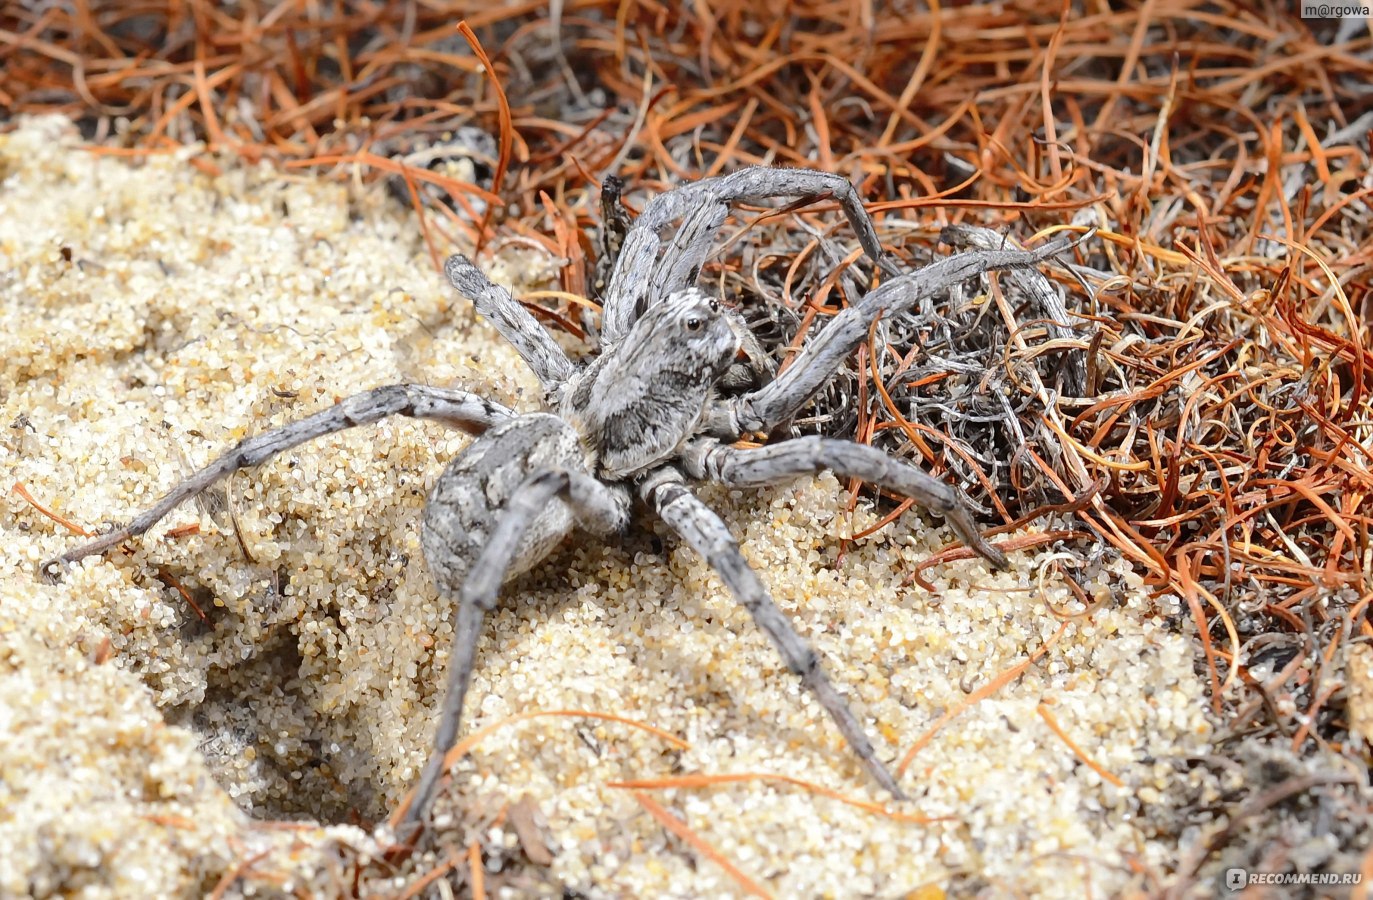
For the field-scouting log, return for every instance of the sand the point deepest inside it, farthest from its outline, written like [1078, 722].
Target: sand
[152, 314]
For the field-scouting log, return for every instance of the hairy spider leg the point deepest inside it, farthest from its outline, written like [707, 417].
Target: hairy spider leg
[461, 409]
[707, 534]
[686, 251]
[514, 323]
[630, 289]
[776, 463]
[774, 404]
[594, 506]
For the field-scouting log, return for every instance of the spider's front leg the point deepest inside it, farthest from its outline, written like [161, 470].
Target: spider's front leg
[461, 409]
[710, 460]
[514, 323]
[700, 527]
[778, 402]
[640, 279]
[498, 509]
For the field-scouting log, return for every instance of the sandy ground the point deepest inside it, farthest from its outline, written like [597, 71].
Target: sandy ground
[151, 315]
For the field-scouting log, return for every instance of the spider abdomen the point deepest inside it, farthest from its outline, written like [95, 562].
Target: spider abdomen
[468, 497]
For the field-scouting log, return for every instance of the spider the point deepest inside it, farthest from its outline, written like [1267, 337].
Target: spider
[644, 419]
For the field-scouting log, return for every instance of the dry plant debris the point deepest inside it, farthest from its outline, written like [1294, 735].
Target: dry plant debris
[620, 686]
[1194, 398]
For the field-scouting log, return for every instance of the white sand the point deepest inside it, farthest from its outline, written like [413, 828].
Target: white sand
[187, 308]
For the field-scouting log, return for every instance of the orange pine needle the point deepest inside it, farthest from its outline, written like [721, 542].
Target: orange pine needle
[464, 746]
[699, 844]
[1081, 754]
[68, 524]
[702, 781]
[978, 696]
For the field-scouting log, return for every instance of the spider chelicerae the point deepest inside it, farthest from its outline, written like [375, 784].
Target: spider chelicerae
[660, 407]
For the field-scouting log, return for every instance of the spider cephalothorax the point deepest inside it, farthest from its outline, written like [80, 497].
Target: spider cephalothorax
[639, 401]
[645, 418]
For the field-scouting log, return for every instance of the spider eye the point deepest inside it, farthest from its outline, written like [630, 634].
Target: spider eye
[715, 306]
[694, 323]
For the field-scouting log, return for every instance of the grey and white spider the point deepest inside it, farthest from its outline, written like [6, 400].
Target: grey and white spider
[643, 418]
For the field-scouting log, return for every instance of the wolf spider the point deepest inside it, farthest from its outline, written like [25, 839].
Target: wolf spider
[644, 418]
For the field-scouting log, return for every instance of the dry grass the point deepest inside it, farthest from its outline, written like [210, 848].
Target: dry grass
[1203, 402]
